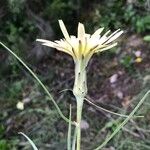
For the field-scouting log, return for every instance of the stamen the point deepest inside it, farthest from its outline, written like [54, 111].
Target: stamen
[80, 48]
[82, 57]
[79, 41]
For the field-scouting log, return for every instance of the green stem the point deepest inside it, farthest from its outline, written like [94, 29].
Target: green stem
[79, 117]
[74, 139]
[79, 91]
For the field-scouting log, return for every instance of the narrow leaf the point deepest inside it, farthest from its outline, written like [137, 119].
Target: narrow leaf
[30, 141]
[69, 132]
[108, 111]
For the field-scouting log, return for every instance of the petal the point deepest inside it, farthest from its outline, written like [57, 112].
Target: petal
[92, 42]
[104, 38]
[64, 30]
[50, 43]
[81, 37]
[114, 37]
[87, 35]
[64, 44]
[97, 32]
[113, 33]
[107, 47]
[107, 33]
[74, 42]
[42, 40]
[81, 31]
[58, 48]
[60, 45]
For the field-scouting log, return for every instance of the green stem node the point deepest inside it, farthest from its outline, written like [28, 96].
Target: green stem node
[79, 91]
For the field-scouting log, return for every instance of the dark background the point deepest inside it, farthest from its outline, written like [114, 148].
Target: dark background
[117, 79]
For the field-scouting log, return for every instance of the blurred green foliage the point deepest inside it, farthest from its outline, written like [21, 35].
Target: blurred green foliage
[147, 38]
[126, 61]
[4, 145]
[113, 14]
[131, 15]
[19, 30]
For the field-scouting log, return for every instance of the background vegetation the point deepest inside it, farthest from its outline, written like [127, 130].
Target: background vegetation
[119, 77]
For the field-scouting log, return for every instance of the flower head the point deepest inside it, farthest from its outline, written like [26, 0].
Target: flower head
[84, 45]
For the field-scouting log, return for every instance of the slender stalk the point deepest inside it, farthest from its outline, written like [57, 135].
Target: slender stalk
[111, 112]
[30, 141]
[79, 117]
[69, 132]
[74, 139]
[79, 91]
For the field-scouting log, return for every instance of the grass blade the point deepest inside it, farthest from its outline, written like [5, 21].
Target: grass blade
[124, 122]
[69, 132]
[30, 141]
[111, 112]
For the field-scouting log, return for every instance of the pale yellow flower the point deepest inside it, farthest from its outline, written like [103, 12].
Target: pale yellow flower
[81, 48]
[138, 60]
[84, 45]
